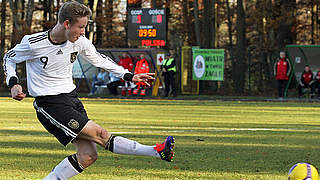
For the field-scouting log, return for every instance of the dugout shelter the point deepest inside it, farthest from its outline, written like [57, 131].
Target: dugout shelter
[300, 56]
[83, 71]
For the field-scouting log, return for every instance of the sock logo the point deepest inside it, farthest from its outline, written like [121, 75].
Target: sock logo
[73, 124]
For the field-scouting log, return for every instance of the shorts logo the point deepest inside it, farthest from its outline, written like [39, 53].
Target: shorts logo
[73, 124]
[73, 56]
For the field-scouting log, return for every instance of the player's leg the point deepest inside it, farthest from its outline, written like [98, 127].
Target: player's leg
[124, 89]
[58, 115]
[285, 83]
[143, 90]
[76, 163]
[173, 83]
[136, 90]
[121, 145]
[300, 90]
[167, 84]
[86, 152]
[93, 84]
[317, 86]
[129, 88]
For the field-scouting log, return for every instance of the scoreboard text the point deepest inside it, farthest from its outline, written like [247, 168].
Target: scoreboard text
[148, 26]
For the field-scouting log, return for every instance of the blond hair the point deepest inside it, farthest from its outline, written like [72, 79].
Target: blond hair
[73, 10]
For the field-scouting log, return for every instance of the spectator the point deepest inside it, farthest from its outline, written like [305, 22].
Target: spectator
[142, 66]
[316, 83]
[99, 80]
[113, 84]
[282, 70]
[168, 69]
[126, 62]
[306, 81]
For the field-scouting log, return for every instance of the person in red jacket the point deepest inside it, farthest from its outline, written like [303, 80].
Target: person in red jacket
[126, 62]
[142, 66]
[306, 81]
[282, 70]
[316, 83]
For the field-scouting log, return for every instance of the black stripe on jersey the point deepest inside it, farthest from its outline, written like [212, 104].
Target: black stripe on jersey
[107, 58]
[10, 53]
[38, 38]
[5, 67]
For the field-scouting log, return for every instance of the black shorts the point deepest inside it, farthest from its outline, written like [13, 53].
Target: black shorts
[62, 115]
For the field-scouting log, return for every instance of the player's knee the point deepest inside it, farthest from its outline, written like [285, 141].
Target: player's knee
[86, 159]
[102, 133]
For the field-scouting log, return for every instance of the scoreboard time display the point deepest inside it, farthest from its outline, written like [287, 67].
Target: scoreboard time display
[147, 25]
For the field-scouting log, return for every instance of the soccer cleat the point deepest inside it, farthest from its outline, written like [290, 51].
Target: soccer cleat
[165, 149]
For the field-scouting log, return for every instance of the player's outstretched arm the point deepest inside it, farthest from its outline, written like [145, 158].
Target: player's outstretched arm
[16, 92]
[143, 78]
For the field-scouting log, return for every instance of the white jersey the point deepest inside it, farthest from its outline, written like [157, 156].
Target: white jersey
[49, 65]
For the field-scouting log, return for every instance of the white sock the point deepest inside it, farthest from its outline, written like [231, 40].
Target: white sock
[122, 145]
[51, 176]
[66, 169]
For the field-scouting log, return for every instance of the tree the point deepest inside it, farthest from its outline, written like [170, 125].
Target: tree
[208, 23]
[239, 65]
[3, 30]
[196, 22]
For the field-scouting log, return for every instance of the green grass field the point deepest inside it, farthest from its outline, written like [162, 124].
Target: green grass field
[214, 139]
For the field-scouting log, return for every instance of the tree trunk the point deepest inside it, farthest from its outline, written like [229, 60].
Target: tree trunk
[229, 23]
[313, 21]
[208, 23]
[45, 13]
[260, 49]
[108, 21]
[51, 12]
[287, 16]
[3, 38]
[17, 21]
[3, 26]
[239, 65]
[187, 23]
[213, 20]
[196, 22]
[99, 24]
[30, 9]
[154, 3]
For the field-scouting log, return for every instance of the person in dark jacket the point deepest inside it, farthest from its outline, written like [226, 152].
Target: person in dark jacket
[306, 81]
[316, 83]
[282, 70]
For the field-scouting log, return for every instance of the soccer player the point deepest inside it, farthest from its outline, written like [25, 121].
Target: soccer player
[49, 59]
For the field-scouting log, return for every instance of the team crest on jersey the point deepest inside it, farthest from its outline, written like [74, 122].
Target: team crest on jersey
[73, 57]
[73, 124]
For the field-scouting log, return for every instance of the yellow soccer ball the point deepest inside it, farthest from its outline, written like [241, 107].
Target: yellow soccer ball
[303, 171]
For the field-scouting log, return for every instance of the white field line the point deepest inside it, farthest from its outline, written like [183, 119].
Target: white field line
[144, 129]
[219, 130]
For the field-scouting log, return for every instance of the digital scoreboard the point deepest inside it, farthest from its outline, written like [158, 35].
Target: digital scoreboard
[148, 26]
